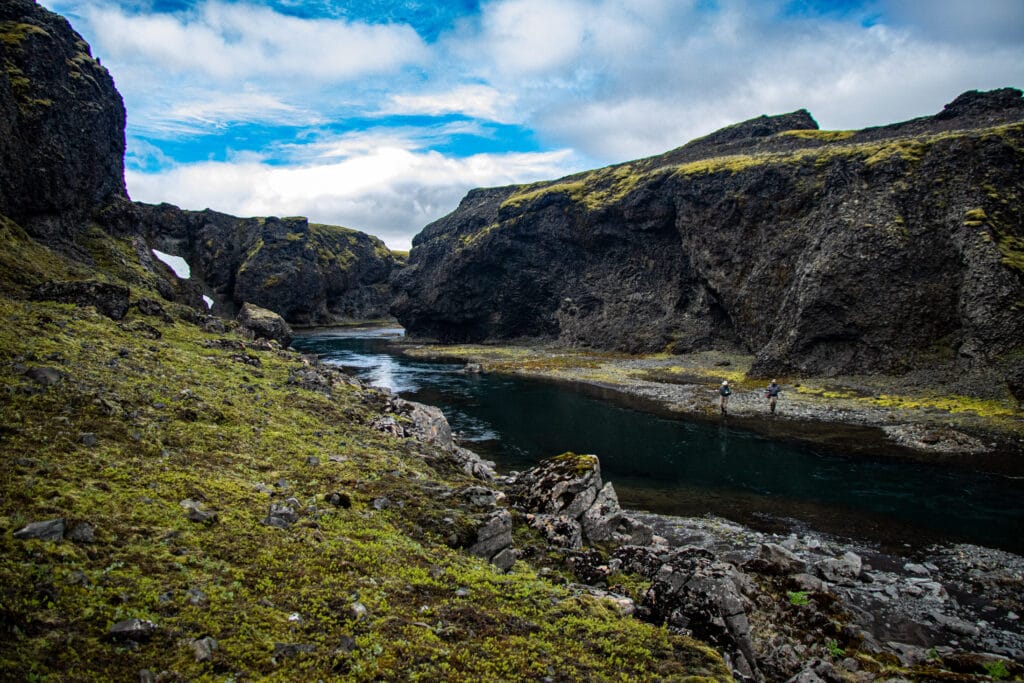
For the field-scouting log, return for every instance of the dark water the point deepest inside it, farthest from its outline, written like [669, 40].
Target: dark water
[667, 465]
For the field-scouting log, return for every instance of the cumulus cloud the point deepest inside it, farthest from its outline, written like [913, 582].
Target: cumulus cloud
[600, 80]
[231, 41]
[389, 191]
[631, 79]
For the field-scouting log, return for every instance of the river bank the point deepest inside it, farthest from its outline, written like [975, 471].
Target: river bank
[798, 603]
[908, 416]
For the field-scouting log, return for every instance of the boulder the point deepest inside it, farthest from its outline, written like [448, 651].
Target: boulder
[265, 324]
[559, 531]
[695, 594]
[843, 570]
[49, 530]
[775, 559]
[493, 538]
[569, 485]
[566, 484]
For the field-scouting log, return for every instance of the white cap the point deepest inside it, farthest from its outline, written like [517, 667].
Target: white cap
[725, 381]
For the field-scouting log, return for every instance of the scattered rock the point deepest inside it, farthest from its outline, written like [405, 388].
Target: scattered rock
[203, 648]
[280, 516]
[45, 376]
[843, 571]
[493, 537]
[357, 611]
[201, 516]
[82, 533]
[284, 650]
[776, 559]
[342, 500]
[49, 530]
[89, 440]
[136, 630]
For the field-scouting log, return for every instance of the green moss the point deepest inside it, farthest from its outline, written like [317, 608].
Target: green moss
[174, 419]
[975, 217]
[822, 135]
[13, 33]
[1012, 249]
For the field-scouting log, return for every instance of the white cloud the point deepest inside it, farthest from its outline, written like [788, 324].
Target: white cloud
[473, 100]
[231, 41]
[628, 81]
[391, 192]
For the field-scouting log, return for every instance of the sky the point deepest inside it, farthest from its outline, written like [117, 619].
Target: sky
[380, 115]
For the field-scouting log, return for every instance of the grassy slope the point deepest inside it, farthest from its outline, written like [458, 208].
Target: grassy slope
[174, 420]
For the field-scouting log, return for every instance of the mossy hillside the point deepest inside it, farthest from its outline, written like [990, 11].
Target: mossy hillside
[175, 420]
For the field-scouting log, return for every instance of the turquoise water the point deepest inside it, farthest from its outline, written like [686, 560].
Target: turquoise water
[673, 466]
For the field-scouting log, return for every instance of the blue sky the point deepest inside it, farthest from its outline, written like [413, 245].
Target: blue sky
[380, 114]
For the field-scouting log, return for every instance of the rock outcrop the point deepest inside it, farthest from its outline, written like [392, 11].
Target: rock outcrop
[308, 273]
[568, 500]
[820, 252]
[62, 144]
[61, 127]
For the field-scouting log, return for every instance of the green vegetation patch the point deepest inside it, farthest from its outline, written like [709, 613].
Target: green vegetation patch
[133, 431]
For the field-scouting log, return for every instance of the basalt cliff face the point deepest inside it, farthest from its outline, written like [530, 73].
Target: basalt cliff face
[820, 252]
[61, 127]
[308, 273]
[62, 144]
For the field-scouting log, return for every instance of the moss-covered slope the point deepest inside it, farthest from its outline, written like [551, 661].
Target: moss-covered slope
[135, 432]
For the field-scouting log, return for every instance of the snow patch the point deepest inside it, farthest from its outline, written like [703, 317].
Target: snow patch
[175, 263]
[208, 300]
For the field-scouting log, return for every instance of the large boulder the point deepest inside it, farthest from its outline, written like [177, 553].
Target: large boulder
[696, 594]
[265, 324]
[569, 486]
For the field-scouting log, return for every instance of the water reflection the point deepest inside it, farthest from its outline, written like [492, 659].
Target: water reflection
[673, 466]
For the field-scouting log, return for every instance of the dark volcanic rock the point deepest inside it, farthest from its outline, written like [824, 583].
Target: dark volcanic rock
[308, 273]
[61, 126]
[819, 252]
[110, 300]
[265, 324]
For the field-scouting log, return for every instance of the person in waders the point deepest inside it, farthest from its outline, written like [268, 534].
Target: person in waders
[725, 392]
[772, 394]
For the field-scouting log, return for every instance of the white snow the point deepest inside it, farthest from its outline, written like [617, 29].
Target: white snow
[175, 263]
[208, 300]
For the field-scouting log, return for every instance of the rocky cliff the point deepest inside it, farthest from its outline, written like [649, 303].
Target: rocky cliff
[62, 144]
[821, 252]
[308, 273]
[61, 126]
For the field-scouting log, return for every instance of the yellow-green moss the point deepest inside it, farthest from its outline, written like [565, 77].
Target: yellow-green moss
[13, 33]
[1012, 249]
[823, 135]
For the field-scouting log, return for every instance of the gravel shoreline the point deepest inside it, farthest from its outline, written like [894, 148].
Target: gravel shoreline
[883, 415]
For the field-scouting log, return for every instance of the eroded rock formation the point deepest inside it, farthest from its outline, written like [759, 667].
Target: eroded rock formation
[821, 252]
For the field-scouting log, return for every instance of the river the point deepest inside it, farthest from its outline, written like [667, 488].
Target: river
[669, 465]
